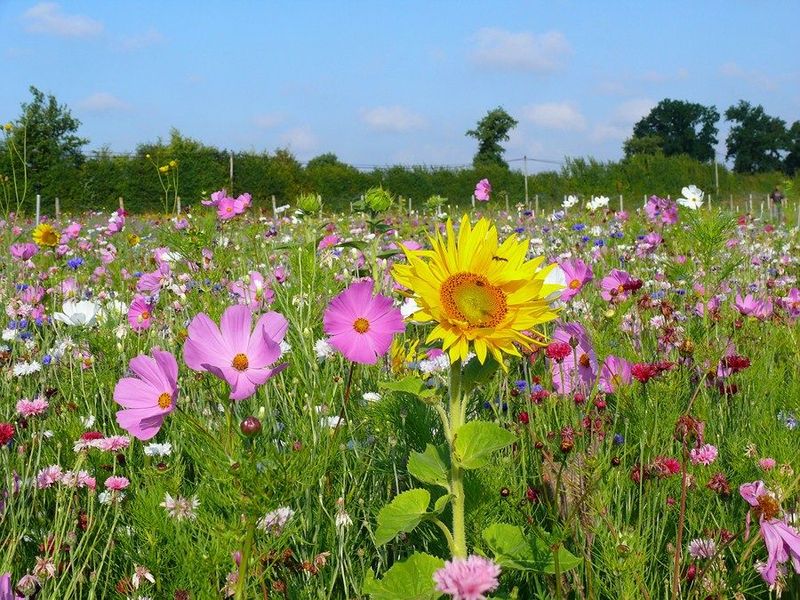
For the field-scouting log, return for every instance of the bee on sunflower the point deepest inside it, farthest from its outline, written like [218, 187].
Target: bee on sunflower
[45, 234]
[480, 293]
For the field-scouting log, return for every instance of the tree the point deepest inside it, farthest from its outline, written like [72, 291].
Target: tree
[649, 145]
[328, 159]
[490, 131]
[792, 163]
[756, 139]
[682, 128]
[47, 132]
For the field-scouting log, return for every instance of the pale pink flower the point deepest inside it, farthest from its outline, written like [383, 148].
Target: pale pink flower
[467, 579]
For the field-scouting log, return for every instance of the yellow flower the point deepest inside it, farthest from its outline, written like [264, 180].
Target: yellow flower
[45, 235]
[173, 163]
[133, 239]
[164, 169]
[400, 354]
[479, 293]
[8, 126]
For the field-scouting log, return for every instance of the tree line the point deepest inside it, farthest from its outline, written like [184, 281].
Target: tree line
[43, 150]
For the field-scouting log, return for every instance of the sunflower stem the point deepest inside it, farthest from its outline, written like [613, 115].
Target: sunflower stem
[459, 546]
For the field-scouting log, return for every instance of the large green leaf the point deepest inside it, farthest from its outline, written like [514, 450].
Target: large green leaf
[476, 373]
[476, 440]
[514, 550]
[411, 579]
[431, 466]
[403, 513]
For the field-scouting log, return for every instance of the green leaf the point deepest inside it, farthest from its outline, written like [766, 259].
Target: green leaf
[476, 373]
[441, 503]
[514, 550]
[402, 514]
[409, 385]
[476, 440]
[431, 466]
[411, 579]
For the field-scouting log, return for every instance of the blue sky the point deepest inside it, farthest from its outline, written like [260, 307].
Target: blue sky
[394, 82]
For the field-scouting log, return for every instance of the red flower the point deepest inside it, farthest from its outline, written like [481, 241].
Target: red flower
[664, 466]
[539, 395]
[736, 363]
[558, 350]
[523, 418]
[6, 433]
[643, 372]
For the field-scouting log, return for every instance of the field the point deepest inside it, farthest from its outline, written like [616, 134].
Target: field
[622, 425]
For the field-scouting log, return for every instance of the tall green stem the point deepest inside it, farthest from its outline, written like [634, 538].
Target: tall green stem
[456, 472]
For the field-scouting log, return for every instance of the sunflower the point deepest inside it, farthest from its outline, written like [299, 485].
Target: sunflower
[45, 234]
[479, 292]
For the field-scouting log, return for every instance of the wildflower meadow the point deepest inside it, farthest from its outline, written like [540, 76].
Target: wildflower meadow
[242, 401]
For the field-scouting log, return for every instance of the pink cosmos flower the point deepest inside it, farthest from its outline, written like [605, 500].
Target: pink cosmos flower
[117, 483]
[241, 203]
[614, 374]
[753, 307]
[216, 197]
[232, 352]
[704, 455]
[483, 190]
[467, 578]
[226, 209]
[790, 302]
[614, 286]
[780, 538]
[70, 232]
[254, 293]
[649, 244]
[577, 274]
[661, 210]
[31, 408]
[361, 326]
[140, 315]
[23, 251]
[153, 282]
[150, 396]
[577, 371]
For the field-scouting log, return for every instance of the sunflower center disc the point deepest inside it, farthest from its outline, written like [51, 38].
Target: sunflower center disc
[469, 297]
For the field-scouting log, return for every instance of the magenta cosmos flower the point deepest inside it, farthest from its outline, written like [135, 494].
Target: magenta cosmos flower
[148, 397]
[578, 369]
[140, 313]
[253, 292]
[234, 352]
[483, 190]
[614, 286]
[781, 539]
[23, 251]
[576, 274]
[361, 326]
[614, 374]
[467, 578]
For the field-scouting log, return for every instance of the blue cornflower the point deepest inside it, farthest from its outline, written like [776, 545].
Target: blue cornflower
[74, 263]
[47, 359]
[599, 243]
[619, 439]
[521, 385]
[578, 227]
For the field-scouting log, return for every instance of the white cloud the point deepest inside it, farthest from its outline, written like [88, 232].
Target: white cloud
[102, 102]
[631, 111]
[555, 115]
[300, 139]
[47, 17]
[522, 51]
[267, 120]
[754, 78]
[396, 119]
[603, 132]
[151, 37]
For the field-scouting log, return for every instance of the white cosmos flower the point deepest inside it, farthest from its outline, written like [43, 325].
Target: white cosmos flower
[555, 277]
[692, 197]
[81, 314]
[570, 201]
[597, 202]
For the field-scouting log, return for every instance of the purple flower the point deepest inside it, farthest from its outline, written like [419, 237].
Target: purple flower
[467, 578]
[613, 286]
[577, 274]
[781, 539]
[578, 370]
[483, 190]
[615, 373]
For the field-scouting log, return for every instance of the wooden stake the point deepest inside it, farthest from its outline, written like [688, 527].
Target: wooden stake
[621, 209]
[121, 204]
[274, 207]
[38, 207]
[58, 209]
[536, 198]
[178, 205]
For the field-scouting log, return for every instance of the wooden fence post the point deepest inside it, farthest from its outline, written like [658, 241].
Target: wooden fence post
[58, 209]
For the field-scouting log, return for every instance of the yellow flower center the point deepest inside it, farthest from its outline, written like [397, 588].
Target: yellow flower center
[575, 284]
[361, 325]
[228, 209]
[240, 362]
[768, 506]
[165, 400]
[144, 316]
[470, 298]
[584, 360]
